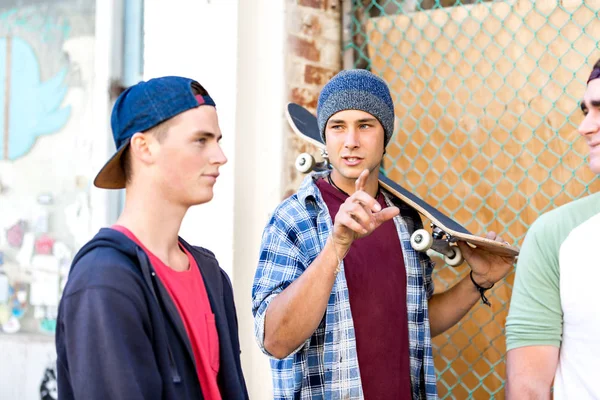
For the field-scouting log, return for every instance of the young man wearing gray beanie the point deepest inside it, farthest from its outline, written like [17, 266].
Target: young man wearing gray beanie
[342, 303]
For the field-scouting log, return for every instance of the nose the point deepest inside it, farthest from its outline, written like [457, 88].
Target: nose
[218, 156]
[351, 140]
[590, 123]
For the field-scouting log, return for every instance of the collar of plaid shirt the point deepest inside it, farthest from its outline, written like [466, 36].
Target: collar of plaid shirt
[326, 365]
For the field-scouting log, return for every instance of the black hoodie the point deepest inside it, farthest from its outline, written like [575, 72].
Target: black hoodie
[119, 334]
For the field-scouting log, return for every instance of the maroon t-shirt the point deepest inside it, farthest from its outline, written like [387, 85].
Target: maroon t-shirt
[376, 276]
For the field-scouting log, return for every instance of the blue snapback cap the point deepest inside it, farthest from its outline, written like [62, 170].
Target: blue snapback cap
[142, 107]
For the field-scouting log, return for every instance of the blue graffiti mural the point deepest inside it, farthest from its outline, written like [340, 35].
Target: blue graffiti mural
[29, 108]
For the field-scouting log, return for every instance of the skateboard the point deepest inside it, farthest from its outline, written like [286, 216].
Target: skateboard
[445, 232]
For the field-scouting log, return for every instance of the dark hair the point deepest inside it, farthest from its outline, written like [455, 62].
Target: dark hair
[159, 132]
[595, 74]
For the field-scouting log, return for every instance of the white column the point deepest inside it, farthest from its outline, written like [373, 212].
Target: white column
[107, 59]
[236, 50]
[259, 161]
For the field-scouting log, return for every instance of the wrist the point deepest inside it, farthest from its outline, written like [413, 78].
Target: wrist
[339, 252]
[341, 246]
[481, 289]
[480, 281]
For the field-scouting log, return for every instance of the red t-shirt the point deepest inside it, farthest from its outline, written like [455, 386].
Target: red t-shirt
[376, 277]
[188, 292]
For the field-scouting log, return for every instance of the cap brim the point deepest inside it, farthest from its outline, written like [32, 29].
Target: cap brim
[112, 176]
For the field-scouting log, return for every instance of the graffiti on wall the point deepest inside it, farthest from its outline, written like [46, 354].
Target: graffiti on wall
[46, 70]
[29, 108]
[33, 71]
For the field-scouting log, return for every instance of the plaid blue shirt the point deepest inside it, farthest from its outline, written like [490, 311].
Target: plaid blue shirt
[326, 365]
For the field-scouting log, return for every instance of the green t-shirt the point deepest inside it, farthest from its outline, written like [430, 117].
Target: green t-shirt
[554, 301]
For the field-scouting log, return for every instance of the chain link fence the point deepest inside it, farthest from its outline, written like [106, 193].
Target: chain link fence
[487, 97]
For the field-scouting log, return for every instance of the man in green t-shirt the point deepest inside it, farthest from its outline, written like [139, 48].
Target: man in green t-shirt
[553, 326]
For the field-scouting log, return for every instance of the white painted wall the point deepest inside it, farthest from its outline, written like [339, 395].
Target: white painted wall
[30, 355]
[198, 40]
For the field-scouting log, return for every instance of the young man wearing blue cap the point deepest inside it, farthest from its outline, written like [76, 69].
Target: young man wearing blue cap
[144, 314]
[342, 303]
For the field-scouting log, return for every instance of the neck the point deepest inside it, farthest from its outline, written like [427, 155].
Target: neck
[348, 185]
[155, 221]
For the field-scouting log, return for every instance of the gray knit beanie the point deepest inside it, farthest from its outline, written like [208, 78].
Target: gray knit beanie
[357, 89]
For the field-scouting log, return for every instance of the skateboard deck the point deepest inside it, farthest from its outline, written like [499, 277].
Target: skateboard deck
[445, 231]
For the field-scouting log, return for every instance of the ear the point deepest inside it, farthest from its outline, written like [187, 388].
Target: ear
[143, 147]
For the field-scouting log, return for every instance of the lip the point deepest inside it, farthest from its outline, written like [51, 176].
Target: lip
[212, 177]
[351, 163]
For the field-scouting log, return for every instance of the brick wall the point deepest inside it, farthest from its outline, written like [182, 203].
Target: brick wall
[314, 56]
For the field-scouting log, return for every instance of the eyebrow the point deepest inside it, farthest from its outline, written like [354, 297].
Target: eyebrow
[594, 103]
[360, 121]
[363, 120]
[207, 133]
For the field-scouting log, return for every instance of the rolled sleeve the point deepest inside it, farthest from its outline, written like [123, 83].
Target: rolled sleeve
[535, 315]
[281, 262]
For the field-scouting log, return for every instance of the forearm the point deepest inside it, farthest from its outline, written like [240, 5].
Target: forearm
[527, 389]
[295, 313]
[530, 371]
[447, 308]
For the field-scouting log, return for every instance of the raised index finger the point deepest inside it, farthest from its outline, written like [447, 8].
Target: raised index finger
[362, 180]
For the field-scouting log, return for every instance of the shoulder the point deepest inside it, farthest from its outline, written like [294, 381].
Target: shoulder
[291, 215]
[555, 225]
[103, 267]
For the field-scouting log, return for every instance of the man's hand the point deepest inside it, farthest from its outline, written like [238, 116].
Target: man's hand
[488, 268]
[360, 215]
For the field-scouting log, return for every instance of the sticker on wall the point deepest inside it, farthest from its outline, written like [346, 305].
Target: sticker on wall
[45, 263]
[62, 252]
[4, 314]
[26, 251]
[39, 312]
[29, 108]
[44, 289]
[44, 245]
[52, 312]
[18, 300]
[78, 217]
[48, 325]
[14, 234]
[12, 325]
[40, 219]
[4, 288]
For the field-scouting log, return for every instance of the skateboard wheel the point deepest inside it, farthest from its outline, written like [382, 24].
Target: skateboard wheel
[456, 259]
[305, 163]
[421, 240]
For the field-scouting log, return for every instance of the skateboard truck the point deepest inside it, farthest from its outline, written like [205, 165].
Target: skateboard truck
[306, 162]
[423, 241]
